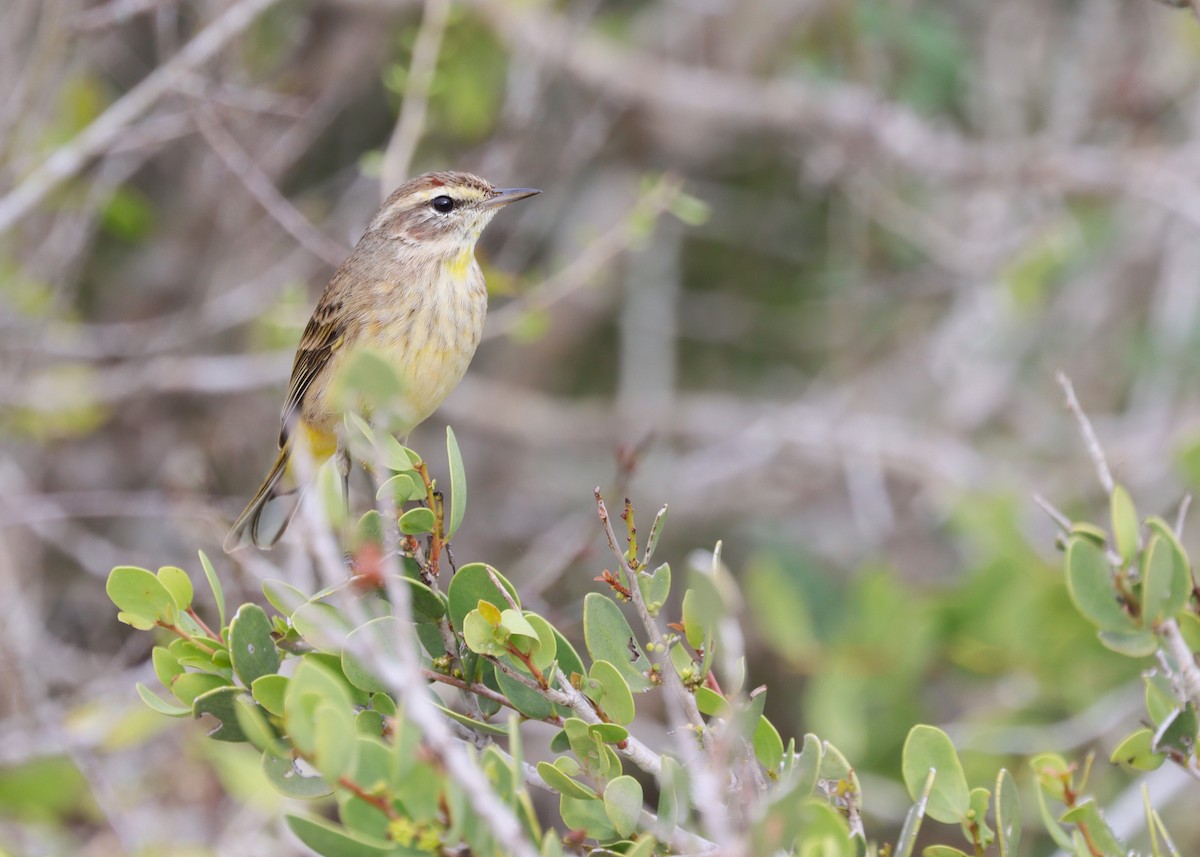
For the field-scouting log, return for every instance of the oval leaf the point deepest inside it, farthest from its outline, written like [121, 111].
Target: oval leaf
[1008, 814]
[139, 593]
[473, 583]
[178, 584]
[1166, 582]
[928, 747]
[1090, 585]
[418, 521]
[1124, 523]
[608, 637]
[623, 804]
[458, 484]
[251, 647]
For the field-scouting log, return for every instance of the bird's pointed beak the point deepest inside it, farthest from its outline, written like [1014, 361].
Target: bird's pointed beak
[505, 195]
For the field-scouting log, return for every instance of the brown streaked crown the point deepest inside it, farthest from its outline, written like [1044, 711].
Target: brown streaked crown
[410, 212]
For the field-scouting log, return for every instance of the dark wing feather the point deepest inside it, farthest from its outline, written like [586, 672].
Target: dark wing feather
[321, 338]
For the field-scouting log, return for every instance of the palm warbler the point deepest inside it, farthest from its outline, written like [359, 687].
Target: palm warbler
[410, 290]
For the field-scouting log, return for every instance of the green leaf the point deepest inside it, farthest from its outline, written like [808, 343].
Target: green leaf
[1160, 527]
[287, 779]
[694, 629]
[480, 726]
[563, 784]
[1166, 582]
[656, 530]
[643, 847]
[1189, 629]
[528, 701]
[333, 840]
[1091, 532]
[609, 733]
[191, 685]
[1060, 836]
[176, 581]
[551, 845]
[166, 665]
[1101, 835]
[615, 696]
[929, 747]
[808, 765]
[221, 703]
[482, 637]
[623, 804]
[284, 597]
[942, 851]
[515, 623]
[402, 488]
[311, 685]
[1160, 697]
[1052, 773]
[673, 796]
[254, 726]
[458, 484]
[768, 745]
[656, 587]
[369, 723]
[427, 605]
[1090, 585]
[251, 647]
[1132, 644]
[608, 637]
[397, 457]
[214, 584]
[1136, 751]
[545, 652]
[137, 592]
[368, 530]
[268, 691]
[588, 816]
[980, 798]
[472, 584]
[386, 635]
[1124, 524]
[322, 626]
[1008, 814]
[418, 521]
[158, 704]
[335, 740]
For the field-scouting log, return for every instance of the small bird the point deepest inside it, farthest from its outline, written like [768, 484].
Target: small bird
[412, 291]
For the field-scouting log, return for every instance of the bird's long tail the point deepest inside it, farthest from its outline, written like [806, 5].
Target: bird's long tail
[268, 514]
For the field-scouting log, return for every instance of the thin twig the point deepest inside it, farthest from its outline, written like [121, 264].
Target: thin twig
[93, 140]
[238, 162]
[1185, 660]
[1090, 440]
[1055, 515]
[398, 156]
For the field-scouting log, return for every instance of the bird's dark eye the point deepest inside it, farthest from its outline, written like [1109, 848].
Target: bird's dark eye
[443, 204]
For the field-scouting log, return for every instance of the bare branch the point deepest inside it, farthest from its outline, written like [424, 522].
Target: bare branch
[1055, 515]
[238, 162]
[397, 158]
[1090, 440]
[97, 137]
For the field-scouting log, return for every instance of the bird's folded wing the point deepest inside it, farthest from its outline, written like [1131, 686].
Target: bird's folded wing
[322, 337]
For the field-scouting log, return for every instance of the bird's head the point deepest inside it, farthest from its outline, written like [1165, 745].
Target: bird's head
[442, 212]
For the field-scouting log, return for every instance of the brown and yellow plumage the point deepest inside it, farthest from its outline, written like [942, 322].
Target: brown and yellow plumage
[412, 291]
